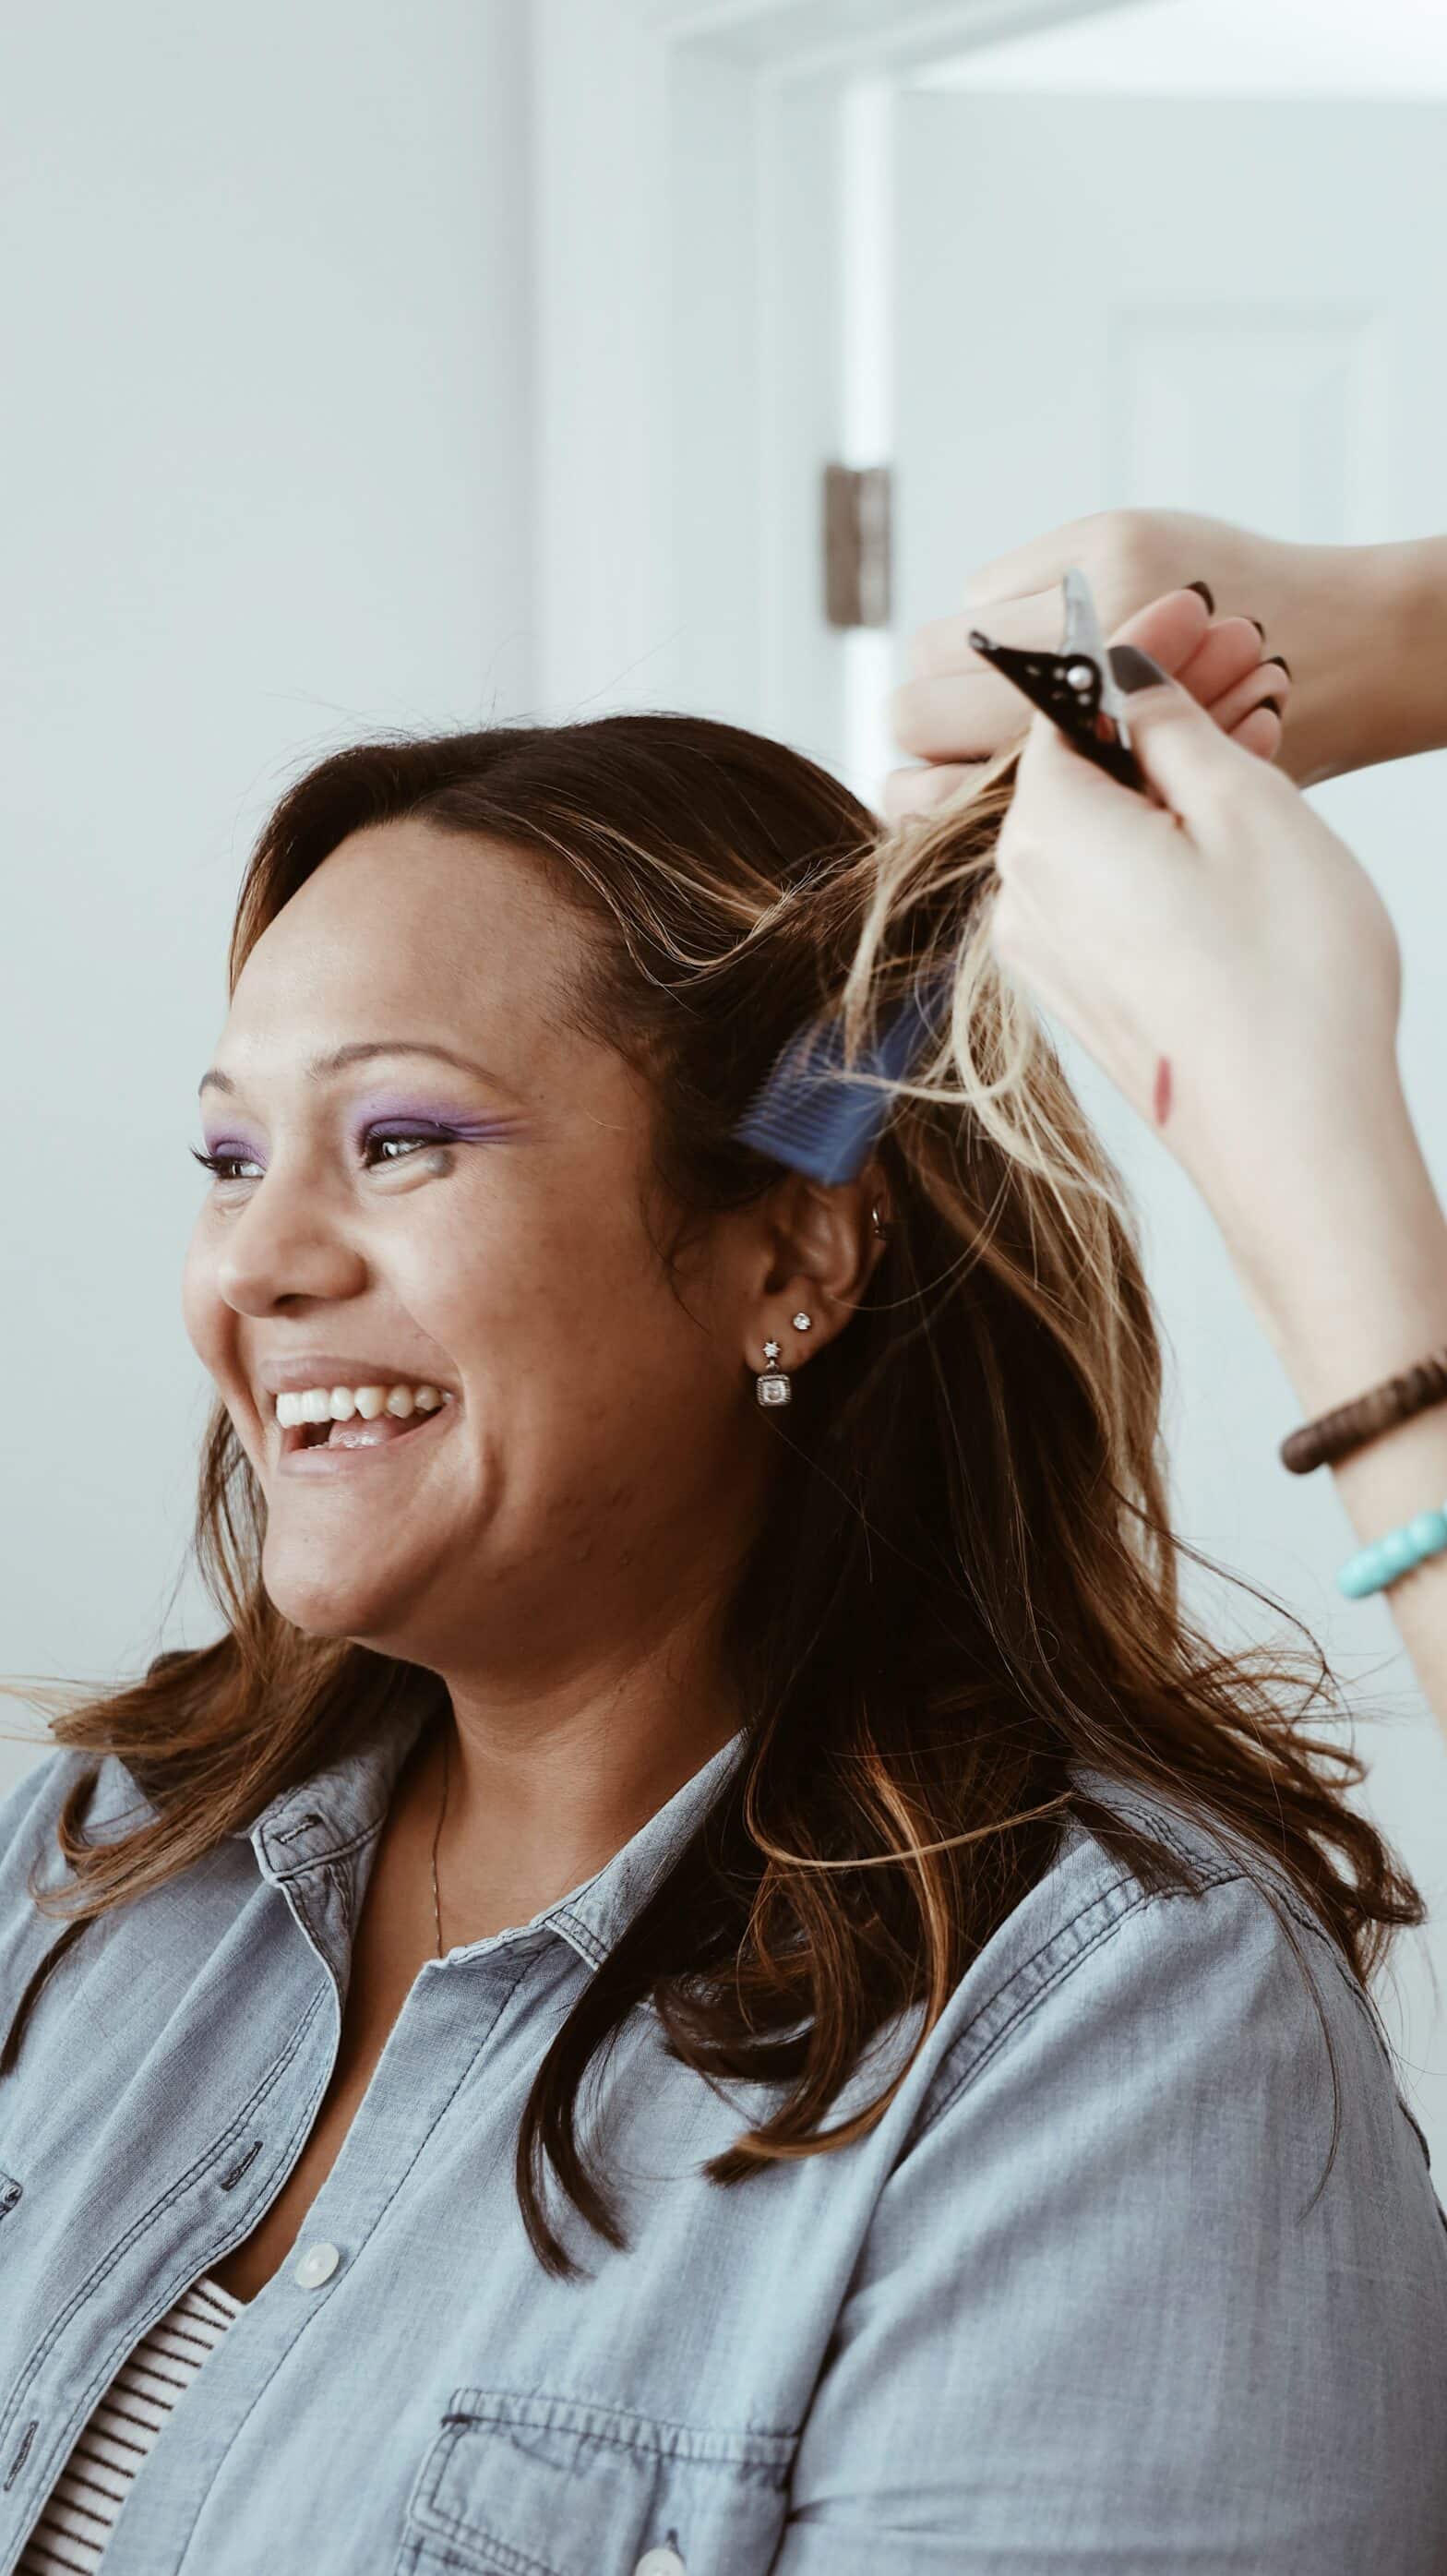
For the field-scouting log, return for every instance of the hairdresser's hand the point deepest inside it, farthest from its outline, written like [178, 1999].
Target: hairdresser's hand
[1360, 630]
[1232, 968]
[1221, 954]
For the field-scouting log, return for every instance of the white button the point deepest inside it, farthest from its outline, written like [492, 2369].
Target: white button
[316, 2265]
[659, 2562]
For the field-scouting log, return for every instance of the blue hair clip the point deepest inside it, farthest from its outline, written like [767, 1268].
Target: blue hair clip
[822, 1121]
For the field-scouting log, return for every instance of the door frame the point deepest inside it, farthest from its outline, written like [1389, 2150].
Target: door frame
[689, 274]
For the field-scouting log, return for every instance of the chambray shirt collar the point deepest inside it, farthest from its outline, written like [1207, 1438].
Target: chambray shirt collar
[339, 1806]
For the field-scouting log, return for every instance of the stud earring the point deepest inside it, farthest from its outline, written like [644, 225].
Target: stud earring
[773, 1386]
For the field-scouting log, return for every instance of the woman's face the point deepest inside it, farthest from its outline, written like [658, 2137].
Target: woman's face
[600, 1466]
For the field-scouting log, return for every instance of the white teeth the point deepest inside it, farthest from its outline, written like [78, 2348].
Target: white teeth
[339, 1403]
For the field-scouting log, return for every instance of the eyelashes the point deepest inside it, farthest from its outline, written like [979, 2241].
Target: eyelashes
[219, 1163]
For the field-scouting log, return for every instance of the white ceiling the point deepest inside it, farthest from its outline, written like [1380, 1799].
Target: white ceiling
[1223, 49]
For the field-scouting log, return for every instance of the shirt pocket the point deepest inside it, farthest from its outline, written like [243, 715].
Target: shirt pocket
[553, 2486]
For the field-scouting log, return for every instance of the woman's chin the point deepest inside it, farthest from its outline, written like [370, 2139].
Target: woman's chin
[338, 1601]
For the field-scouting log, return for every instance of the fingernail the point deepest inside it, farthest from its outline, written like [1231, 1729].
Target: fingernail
[1135, 670]
[1260, 629]
[1206, 594]
[1274, 705]
[1281, 658]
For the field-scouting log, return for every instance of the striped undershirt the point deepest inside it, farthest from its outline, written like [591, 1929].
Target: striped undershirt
[71, 2535]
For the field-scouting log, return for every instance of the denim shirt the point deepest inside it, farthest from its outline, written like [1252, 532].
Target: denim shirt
[1081, 2301]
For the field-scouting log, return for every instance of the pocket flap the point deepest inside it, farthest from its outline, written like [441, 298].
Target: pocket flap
[554, 2486]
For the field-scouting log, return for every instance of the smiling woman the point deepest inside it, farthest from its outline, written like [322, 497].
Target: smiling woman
[960, 1957]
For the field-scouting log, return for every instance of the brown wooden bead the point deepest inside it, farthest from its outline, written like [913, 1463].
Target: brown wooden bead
[1350, 1426]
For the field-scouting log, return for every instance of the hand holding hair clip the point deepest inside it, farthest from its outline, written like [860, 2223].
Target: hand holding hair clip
[1075, 687]
[808, 1113]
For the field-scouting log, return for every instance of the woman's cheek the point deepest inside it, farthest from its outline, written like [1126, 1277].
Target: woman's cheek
[199, 1302]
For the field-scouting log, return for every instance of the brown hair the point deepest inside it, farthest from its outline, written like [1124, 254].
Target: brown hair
[964, 1592]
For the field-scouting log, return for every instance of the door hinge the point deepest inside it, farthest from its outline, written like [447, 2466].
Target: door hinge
[857, 549]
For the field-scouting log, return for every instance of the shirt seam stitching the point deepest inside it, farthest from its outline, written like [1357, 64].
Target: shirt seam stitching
[1048, 1982]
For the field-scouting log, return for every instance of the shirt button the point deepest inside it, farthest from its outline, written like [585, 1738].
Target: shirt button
[659, 2562]
[316, 2265]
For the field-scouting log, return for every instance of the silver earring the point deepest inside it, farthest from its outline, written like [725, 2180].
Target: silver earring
[773, 1387]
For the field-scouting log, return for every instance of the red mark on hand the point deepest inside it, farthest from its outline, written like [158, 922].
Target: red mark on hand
[1162, 1100]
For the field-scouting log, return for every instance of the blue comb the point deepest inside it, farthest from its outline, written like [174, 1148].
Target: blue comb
[822, 1121]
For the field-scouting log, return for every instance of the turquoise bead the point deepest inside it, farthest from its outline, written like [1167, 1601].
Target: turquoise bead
[1396, 1552]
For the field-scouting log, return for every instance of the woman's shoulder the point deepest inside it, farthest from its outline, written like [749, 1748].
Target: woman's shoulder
[1157, 2209]
[32, 1806]
[1162, 1933]
[35, 1798]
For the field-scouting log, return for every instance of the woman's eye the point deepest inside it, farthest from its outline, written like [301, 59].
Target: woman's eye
[219, 1165]
[229, 1167]
[403, 1136]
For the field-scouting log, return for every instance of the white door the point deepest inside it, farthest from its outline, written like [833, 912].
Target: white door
[1234, 308]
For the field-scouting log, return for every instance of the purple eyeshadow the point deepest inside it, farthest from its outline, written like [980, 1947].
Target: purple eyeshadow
[417, 1113]
[229, 1145]
[384, 1113]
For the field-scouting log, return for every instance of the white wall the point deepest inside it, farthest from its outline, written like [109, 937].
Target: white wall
[1294, 49]
[264, 482]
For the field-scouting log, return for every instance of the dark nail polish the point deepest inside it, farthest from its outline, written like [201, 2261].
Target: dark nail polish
[1135, 670]
[1273, 703]
[1260, 629]
[1205, 594]
[1281, 658]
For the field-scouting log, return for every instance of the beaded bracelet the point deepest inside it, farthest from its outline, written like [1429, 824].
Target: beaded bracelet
[1374, 1567]
[1350, 1426]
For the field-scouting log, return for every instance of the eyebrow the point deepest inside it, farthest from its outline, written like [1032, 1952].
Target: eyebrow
[358, 1052]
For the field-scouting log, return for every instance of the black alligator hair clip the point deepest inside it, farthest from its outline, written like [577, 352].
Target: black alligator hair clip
[808, 1112]
[1075, 687]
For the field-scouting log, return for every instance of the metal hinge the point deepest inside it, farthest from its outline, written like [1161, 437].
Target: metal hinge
[857, 545]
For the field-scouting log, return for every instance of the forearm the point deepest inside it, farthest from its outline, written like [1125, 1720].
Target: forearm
[1352, 1293]
[1372, 674]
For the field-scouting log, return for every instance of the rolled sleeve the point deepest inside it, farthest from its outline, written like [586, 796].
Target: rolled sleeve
[1114, 2312]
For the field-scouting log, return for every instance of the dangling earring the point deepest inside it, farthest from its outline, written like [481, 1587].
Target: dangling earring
[773, 1386]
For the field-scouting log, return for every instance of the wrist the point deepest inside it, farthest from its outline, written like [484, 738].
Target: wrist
[1380, 694]
[1412, 594]
[1345, 1265]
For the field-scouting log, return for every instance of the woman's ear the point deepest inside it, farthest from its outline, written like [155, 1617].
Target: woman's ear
[824, 1252]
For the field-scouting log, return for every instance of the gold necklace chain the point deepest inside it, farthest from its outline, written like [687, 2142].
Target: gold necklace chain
[437, 1836]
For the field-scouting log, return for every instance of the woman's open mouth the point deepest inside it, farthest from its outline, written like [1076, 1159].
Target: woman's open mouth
[327, 1448]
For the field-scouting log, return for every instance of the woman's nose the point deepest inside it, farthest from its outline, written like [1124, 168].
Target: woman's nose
[285, 1243]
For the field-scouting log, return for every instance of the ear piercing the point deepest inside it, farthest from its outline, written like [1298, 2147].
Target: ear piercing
[772, 1386]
